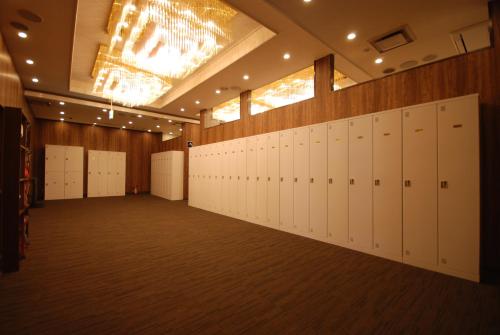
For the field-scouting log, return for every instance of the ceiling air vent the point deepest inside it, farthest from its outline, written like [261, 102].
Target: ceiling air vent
[393, 39]
[472, 38]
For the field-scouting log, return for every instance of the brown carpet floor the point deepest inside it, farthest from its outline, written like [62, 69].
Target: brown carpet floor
[143, 265]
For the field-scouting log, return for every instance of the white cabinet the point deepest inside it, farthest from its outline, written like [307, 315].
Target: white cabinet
[233, 182]
[261, 200]
[225, 182]
[318, 187]
[106, 173]
[301, 179]
[63, 172]
[387, 191]
[458, 192]
[338, 182]
[286, 179]
[241, 184]
[251, 178]
[420, 186]
[273, 175]
[360, 184]
[167, 175]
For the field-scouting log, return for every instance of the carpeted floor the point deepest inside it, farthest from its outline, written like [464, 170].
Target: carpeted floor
[143, 265]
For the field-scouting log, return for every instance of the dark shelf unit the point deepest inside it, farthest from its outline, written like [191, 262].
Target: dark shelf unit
[15, 186]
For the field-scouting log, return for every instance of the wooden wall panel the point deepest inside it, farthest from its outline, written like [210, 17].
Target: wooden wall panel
[137, 145]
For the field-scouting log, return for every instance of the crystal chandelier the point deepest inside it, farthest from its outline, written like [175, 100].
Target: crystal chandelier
[155, 41]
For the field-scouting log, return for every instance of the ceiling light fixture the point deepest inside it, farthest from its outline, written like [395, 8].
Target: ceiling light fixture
[217, 91]
[287, 56]
[149, 130]
[170, 133]
[104, 110]
[30, 61]
[62, 119]
[169, 121]
[379, 61]
[62, 103]
[197, 102]
[22, 34]
[180, 129]
[123, 127]
[154, 42]
[94, 123]
[246, 77]
[62, 113]
[157, 126]
[183, 110]
[139, 116]
[351, 36]
[130, 122]
[35, 80]
[99, 118]
[307, 1]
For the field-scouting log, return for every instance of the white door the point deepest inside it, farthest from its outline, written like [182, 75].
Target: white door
[241, 162]
[261, 187]
[273, 175]
[93, 174]
[458, 195]
[122, 173]
[111, 170]
[338, 182]
[286, 179]
[387, 191]
[73, 185]
[102, 157]
[251, 178]
[420, 186]
[54, 185]
[73, 158]
[318, 186]
[301, 179]
[233, 175]
[225, 193]
[54, 158]
[360, 184]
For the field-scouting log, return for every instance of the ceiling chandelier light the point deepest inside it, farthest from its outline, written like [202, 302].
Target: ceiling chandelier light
[153, 42]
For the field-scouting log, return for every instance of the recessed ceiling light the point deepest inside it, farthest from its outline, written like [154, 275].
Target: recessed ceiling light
[149, 130]
[246, 77]
[61, 112]
[197, 102]
[35, 80]
[307, 1]
[62, 103]
[157, 126]
[336, 87]
[22, 34]
[62, 119]
[217, 91]
[139, 116]
[286, 56]
[104, 110]
[170, 133]
[169, 121]
[99, 118]
[351, 36]
[94, 123]
[379, 61]
[180, 129]
[130, 122]
[30, 61]
[123, 127]
[182, 110]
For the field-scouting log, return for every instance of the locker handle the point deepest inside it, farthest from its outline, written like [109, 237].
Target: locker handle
[281, 179]
[351, 181]
[377, 182]
[295, 179]
[248, 178]
[238, 177]
[258, 178]
[330, 180]
[268, 178]
[222, 177]
[444, 184]
[407, 183]
[311, 180]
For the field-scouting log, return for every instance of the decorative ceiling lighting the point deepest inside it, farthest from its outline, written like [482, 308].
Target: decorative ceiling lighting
[227, 111]
[155, 41]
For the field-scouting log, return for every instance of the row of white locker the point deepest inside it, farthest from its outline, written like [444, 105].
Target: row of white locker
[63, 172]
[167, 175]
[106, 173]
[401, 184]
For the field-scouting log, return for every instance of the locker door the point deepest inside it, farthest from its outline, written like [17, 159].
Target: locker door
[218, 178]
[54, 185]
[241, 162]
[261, 187]
[153, 176]
[360, 184]
[233, 175]
[122, 173]
[93, 174]
[73, 158]
[301, 179]
[387, 191]
[286, 179]
[338, 182]
[458, 193]
[54, 158]
[190, 176]
[73, 185]
[226, 192]
[251, 178]
[167, 174]
[420, 186]
[205, 194]
[102, 173]
[318, 186]
[273, 175]
[111, 174]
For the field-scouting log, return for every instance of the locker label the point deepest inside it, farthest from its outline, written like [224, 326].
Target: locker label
[419, 130]
[387, 134]
[457, 126]
[360, 137]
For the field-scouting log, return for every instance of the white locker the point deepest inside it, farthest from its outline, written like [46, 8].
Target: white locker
[54, 158]
[286, 180]
[167, 170]
[420, 186]
[121, 164]
[318, 186]
[73, 185]
[225, 191]
[387, 190]
[301, 179]
[273, 175]
[205, 186]
[217, 180]
[111, 171]
[241, 162]
[191, 182]
[102, 158]
[458, 192]
[106, 173]
[338, 182]
[251, 178]
[261, 181]
[92, 174]
[54, 185]
[233, 182]
[360, 184]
